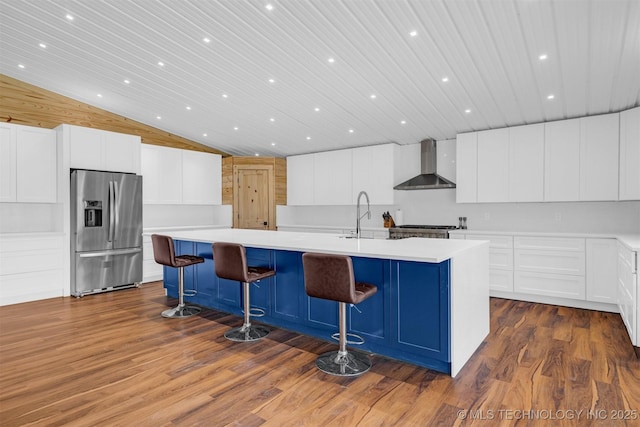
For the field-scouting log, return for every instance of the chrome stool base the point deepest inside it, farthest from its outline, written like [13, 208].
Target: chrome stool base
[180, 312]
[247, 334]
[343, 365]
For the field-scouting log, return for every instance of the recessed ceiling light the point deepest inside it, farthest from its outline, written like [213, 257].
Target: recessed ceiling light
[331, 60]
[403, 122]
[445, 79]
[160, 63]
[206, 40]
[413, 33]
[542, 57]
[551, 96]
[316, 109]
[20, 66]
[273, 144]
[127, 81]
[350, 130]
[224, 95]
[308, 138]
[373, 96]
[42, 45]
[69, 17]
[257, 154]
[272, 81]
[99, 95]
[467, 111]
[204, 134]
[188, 108]
[235, 128]
[269, 6]
[158, 117]
[272, 119]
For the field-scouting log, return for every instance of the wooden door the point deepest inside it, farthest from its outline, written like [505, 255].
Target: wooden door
[253, 197]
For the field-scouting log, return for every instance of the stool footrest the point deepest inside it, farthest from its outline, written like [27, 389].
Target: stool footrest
[359, 341]
[256, 312]
[189, 293]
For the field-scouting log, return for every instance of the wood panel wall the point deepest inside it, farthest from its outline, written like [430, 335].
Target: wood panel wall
[24, 104]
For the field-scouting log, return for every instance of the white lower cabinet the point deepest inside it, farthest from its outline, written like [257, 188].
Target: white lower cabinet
[550, 266]
[500, 260]
[151, 270]
[628, 293]
[601, 270]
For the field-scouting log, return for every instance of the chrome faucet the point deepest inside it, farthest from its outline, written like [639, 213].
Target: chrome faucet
[359, 217]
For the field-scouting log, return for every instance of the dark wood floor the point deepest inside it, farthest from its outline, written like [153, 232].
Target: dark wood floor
[112, 360]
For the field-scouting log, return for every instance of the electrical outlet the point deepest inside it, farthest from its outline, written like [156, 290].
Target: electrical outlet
[487, 216]
[558, 216]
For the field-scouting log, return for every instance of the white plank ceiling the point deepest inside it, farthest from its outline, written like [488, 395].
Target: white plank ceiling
[282, 77]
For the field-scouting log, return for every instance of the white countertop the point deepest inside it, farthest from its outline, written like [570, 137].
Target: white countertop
[630, 240]
[413, 249]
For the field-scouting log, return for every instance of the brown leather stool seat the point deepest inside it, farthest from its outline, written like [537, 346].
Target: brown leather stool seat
[230, 260]
[331, 277]
[164, 253]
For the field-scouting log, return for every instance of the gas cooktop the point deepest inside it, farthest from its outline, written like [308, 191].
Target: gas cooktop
[429, 227]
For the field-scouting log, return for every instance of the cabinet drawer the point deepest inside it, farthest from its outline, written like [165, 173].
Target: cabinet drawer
[628, 257]
[496, 241]
[557, 285]
[555, 262]
[549, 243]
[627, 312]
[501, 280]
[501, 258]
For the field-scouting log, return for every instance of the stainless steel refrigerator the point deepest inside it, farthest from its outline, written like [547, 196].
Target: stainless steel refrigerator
[106, 231]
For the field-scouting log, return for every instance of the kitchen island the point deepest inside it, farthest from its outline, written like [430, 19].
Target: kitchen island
[431, 308]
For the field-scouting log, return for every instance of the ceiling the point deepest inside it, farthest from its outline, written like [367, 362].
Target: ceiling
[283, 77]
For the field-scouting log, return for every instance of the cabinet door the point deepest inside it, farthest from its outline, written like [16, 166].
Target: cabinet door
[599, 141]
[201, 178]
[493, 165]
[333, 178]
[85, 148]
[7, 163]
[601, 270]
[300, 180]
[162, 175]
[121, 152]
[630, 154]
[526, 163]
[372, 172]
[562, 161]
[36, 165]
[467, 167]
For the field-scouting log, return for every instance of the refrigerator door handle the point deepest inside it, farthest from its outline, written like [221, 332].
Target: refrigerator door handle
[112, 202]
[116, 209]
[107, 253]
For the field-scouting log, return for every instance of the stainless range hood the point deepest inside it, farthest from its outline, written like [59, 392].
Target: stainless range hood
[428, 178]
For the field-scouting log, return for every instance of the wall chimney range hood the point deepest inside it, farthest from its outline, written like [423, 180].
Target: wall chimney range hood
[428, 178]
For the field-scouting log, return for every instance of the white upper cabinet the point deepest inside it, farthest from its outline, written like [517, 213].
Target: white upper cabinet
[175, 176]
[201, 178]
[599, 157]
[562, 161]
[29, 159]
[526, 163]
[373, 172]
[493, 165]
[333, 178]
[630, 154]
[300, 178]
[103, 150]
[467, 167]
[161, 175]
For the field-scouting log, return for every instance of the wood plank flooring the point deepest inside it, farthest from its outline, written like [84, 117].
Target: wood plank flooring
[112, 360]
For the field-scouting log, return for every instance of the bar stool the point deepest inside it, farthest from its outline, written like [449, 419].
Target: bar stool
[164, 253]
[331, 277]
[230, 261]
